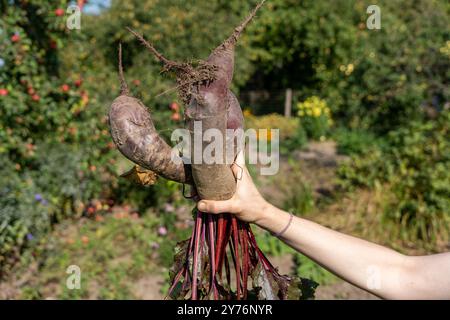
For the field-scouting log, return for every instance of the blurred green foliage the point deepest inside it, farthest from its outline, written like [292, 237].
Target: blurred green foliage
[308, 268]
[182, 31]
[302, 265]
[376, 79]
[54, 148]
[113, 254]
[300, 199]
[414, 168]
[315, 117]
[355, 141]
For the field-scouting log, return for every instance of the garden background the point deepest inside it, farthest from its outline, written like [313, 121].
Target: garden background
[366, 150]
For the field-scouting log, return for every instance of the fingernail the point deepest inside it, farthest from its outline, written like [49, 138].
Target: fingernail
[201, 206]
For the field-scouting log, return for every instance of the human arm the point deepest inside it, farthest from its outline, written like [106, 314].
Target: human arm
[379, 270]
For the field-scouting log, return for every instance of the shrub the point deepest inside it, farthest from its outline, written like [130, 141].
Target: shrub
[415, 169]
[315, 117]
[313, 271]
[54, 140]
[375, 79]
[300, 199]
[54, 146]
[355, 141]
[292, 136]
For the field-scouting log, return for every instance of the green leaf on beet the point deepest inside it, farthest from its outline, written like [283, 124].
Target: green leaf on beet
[179, 261]
[177, 291]
[270, 285]
[265, 284]
[301, 289]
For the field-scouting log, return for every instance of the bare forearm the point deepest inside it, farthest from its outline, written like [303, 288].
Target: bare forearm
[366, 265]
[374, 268]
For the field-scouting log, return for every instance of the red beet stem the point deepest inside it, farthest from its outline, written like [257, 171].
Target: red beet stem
[243, 252]
[212, 256]
[227, 272]
[245, 256]
[266, 263]
[221, 241]
[237, 257]
[175, 281]
[198, 229]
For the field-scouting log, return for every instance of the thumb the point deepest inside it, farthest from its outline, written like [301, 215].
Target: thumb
[215, 206]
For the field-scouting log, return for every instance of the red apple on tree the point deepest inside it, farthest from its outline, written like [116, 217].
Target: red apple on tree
[4, 92]
[174, 107]
[176, 117]
[65, 88]
[81, 4]
[15, 38]
[53, 44]
[78, 83]
[59, 12]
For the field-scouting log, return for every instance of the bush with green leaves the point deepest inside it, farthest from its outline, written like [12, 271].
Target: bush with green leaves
[356, 141]
[32, 200]
[54, 146]
[414, 170]
[371, 79]
[315, 117]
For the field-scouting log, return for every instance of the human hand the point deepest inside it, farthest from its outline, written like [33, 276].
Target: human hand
[247, 203]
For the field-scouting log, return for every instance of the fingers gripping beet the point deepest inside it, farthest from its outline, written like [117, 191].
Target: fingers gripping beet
[135, 136]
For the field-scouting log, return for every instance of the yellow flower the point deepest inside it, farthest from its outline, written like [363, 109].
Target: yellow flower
[445, 50]
[317, 112]
[349, 70]
[247, 113]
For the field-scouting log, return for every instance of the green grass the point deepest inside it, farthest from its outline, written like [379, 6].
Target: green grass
[307, 268]
[270, 245]
[301, 199]
[112, 255]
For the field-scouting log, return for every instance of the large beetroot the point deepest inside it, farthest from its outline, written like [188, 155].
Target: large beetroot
[219, 244]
